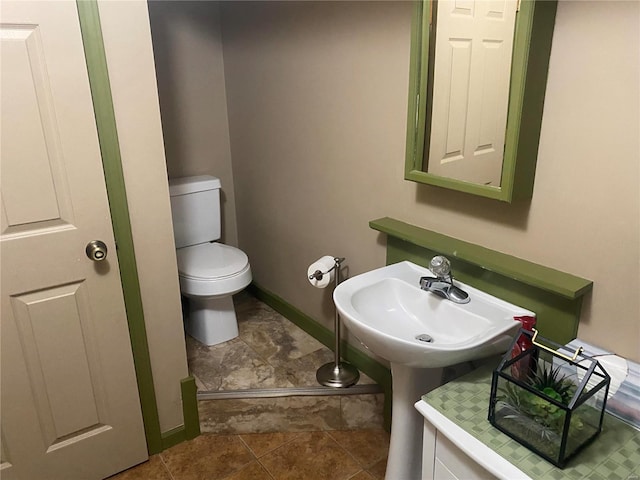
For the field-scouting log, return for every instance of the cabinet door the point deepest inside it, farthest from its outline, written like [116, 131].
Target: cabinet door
[441, 472]
[450, 460]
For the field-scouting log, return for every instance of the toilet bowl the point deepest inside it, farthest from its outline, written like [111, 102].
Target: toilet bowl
[209, 272]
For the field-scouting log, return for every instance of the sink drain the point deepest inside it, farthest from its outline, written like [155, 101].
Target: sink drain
[423, 337]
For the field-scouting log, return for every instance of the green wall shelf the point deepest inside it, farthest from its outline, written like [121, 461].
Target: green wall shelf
[555, 296]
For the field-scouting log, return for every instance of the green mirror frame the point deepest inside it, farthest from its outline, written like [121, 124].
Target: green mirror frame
[530, 63]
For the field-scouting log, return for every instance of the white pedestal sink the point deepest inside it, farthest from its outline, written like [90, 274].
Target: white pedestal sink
[419, 332]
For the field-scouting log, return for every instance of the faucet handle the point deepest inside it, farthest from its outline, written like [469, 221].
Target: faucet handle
[440, 266]
[425, 282]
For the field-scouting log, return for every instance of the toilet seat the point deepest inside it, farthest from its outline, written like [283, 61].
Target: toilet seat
[212, 269]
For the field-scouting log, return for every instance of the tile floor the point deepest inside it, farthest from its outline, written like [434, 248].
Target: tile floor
[272, 352]
[317, 455]
[310, 438]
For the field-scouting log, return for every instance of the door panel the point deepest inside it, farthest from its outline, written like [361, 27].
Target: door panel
[64, 311]
[70, 406]
[30, 133]
[474, 42]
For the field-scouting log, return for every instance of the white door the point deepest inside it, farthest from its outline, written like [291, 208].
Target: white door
[69, 398]
[474, 43]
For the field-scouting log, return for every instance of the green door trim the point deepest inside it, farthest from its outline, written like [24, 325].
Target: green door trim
[116, 192]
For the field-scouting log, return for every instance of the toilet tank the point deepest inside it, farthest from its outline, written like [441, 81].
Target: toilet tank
[195, 208]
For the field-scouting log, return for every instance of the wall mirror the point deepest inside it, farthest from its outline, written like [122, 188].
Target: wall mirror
[478, 76]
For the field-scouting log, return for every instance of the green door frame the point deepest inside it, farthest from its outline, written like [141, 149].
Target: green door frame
[114, 179]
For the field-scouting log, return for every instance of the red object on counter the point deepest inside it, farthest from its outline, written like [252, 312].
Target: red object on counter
[525, 367]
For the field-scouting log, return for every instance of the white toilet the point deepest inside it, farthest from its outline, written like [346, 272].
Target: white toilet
[210, 272]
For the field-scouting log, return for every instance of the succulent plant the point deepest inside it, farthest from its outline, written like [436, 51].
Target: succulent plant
[552, 385]
[549, 382]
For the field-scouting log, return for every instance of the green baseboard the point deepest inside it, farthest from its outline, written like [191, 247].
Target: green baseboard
[191, 427]
[190, 407]
[173, 437]
[378, 372]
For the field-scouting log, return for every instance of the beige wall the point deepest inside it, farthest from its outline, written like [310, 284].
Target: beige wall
[127, 39]
[190, 71]
[317, 96]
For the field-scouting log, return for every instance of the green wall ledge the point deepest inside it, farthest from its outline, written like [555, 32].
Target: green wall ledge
[556, 297]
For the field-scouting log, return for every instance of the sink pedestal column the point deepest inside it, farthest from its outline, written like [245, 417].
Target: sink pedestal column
[405, 447]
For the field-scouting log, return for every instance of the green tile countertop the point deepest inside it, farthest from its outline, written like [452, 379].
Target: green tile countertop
[614, 454]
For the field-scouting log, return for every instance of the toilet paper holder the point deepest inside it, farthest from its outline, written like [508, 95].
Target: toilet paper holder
[338, 373]
[317, 275]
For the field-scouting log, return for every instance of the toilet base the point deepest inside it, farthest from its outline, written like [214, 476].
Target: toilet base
[212, 320]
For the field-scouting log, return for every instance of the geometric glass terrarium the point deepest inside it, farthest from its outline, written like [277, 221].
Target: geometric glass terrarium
[550, 402]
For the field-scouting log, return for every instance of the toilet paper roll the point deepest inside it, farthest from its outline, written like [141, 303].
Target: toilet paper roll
[323, 264]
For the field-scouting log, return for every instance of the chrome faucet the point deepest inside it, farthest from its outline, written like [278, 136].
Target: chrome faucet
[442, 283]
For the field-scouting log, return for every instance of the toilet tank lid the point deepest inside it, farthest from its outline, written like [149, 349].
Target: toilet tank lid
[200, 183]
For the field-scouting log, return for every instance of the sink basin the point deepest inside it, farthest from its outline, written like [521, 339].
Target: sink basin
[389, 313]
[419, 333]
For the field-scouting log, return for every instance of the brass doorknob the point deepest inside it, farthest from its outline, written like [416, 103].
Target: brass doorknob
[96, 250]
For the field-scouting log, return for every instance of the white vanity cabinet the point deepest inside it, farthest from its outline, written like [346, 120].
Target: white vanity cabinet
[443, 460]
[450, 453]
[460, 443]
